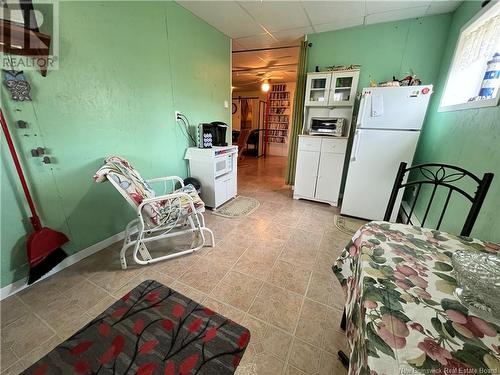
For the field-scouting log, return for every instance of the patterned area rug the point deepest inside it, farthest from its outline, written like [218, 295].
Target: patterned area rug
[238, 207]
[348, 225]
[151, 330]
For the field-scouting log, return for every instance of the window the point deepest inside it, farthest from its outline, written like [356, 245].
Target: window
[474, 76]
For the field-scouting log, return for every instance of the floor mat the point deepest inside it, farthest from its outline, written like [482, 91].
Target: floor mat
[238, 207]
[151, 330]
[348, 225]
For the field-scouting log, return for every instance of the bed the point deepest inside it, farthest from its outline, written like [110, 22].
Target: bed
[402, 316]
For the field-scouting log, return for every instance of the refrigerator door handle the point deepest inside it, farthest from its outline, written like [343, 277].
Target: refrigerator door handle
[357, 136]
[362, 110]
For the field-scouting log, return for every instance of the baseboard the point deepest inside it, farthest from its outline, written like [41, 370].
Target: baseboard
[19, 285]
[403, 211]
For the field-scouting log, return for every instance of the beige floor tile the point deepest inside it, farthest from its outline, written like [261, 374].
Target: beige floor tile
[8, 358]
[237, 289]
[101, 306]
[14, 369]
[288, 276]
[330, 364]
[256, 262]
[39, 293]
[305, 357]
[40, 351]
[312, 320]
[267, 338]
[175, 267]
[25, 334]
[290, 370]
[204, 275]
[325, 288]
[324, 262]
[302, 257]
[262, 364]
[189, 292]
[12, 308]
[224, 253]
[85, 294]
[226, 310]
[149, 273]
[277, 306]
[113, 279]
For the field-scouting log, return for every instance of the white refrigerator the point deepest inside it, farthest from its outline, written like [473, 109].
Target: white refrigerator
[387, 131]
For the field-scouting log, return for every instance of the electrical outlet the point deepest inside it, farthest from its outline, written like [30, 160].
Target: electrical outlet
[177, 113]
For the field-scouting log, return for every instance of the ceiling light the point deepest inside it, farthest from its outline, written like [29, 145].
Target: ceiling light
[265, 86]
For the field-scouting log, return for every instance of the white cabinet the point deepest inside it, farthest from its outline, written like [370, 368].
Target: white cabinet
[216, 169]
[329, 176]
[318, 173]
[306, 175]
[343, 88]
[318, 89]
[331, 89]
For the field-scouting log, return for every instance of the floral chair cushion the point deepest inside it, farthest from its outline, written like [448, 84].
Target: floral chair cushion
[135, 189]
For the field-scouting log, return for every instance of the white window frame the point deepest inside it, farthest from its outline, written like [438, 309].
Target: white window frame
[473, 104]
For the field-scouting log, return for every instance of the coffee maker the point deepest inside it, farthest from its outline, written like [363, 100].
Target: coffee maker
[213, 134]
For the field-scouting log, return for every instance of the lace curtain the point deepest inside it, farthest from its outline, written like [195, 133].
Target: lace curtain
[480, 43]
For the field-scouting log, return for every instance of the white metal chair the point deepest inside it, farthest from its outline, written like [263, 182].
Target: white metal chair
[174, 213]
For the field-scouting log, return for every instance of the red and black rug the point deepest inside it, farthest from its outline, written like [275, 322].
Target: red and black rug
[151, 330]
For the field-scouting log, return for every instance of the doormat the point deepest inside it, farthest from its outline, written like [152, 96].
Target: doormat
[238, 207]
[348, 225]
[151, 330]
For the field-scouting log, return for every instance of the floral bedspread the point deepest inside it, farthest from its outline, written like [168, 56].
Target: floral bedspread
[402, 316]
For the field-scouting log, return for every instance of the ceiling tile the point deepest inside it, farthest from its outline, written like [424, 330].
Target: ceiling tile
[386, 6]
[321, 12]
[226, 16]
[277, 15]
[396, 15]
[236, 45]
[292, 36]
[439, 7]
[257, 41]
[339, 24]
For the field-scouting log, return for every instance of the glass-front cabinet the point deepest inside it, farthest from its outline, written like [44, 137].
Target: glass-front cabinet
[343, 88]
[318, 89]
[331, 89]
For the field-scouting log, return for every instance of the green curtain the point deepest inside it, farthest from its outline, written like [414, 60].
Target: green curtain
[298, 114]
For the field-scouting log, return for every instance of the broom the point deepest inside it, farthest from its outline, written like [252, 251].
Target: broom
[44, 244]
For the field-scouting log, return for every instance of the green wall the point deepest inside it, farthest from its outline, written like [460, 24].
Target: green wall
[467, 138]
[384, 50]
[125, 67]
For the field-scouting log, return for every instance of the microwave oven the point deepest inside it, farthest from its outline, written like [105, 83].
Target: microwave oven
[224, 164]
[333, 126]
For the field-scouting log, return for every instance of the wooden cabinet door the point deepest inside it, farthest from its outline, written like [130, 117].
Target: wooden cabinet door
[329, 176]
[306, 173]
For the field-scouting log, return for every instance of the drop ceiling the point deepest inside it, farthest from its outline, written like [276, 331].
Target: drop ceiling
[268, 24]
[276, 65]
[260, 24]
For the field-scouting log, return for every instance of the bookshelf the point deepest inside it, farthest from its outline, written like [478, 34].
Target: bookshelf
[278, 120]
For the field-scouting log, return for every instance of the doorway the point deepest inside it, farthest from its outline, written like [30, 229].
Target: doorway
[263, 91]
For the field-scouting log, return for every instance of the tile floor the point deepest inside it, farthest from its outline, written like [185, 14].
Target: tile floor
[269, 271]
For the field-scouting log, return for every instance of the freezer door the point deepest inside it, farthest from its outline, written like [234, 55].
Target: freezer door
[375, 159]
[398, 108]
